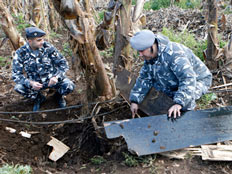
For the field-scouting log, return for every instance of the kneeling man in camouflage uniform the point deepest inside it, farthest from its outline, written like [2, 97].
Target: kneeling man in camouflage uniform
[171, 68]
[44, 67]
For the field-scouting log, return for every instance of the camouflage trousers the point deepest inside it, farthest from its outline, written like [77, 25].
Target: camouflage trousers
[63, 87]
[201, 89]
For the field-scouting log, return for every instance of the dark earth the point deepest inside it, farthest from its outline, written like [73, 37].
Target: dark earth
[84, 140]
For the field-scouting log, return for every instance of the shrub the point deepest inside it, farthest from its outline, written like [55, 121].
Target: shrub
[133, 161]
[20, 22]
[97, 160]
[206, 100]
[158, 4]
[185, 4]
[188, 40]
[17, 169]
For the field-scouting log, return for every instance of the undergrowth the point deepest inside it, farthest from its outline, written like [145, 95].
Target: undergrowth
[17, 169]
[187, 39]
[21, 24]
[205, 100]
[133, 160]
[158, 4]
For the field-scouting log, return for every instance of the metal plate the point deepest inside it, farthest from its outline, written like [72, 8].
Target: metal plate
[155, 134]
[155, 103]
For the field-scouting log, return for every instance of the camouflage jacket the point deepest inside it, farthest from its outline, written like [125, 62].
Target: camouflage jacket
[39, 65]
[176, 71]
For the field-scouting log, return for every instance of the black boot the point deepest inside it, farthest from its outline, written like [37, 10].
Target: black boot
[60, 99]
[37, 102]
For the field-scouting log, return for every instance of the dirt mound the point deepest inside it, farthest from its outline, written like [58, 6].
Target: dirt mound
[194, 21]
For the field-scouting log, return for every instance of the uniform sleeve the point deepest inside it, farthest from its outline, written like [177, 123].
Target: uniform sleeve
[142, 86]
[17, 71]
[60, 63]
[186, 76]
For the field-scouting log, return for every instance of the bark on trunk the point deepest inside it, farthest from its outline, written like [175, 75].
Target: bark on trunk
[9, 28]
[213, 46]
[36, 16]
[122, 48]
[82, 28]
[126, 24]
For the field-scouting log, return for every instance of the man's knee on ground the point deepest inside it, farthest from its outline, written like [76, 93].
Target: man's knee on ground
[19, 88]
[66, 87]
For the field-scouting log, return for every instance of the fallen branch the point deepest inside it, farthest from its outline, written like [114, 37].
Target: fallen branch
[220, 86]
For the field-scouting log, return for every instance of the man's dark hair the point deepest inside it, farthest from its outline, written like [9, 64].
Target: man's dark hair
[30, 38]
[151, 48]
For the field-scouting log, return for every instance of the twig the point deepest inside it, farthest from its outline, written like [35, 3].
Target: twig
[220, 86]
[224, 81]
[93, 119]
[130, 105]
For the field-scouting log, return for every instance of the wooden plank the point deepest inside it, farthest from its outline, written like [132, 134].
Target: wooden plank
[155, 134]
[59, 149]
[216, 152]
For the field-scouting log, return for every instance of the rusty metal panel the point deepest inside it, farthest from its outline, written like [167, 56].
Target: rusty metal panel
[155, 103]
[155, 134]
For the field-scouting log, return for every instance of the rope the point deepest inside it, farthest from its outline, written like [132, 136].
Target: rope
[65, 121]
[57, 109]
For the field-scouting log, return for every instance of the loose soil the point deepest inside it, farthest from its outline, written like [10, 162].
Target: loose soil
[82, 138]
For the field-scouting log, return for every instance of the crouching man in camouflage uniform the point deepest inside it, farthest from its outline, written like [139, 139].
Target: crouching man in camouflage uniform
[171, 68]
[44, 67]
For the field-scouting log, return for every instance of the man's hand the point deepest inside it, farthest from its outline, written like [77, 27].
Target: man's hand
[134, 108]
[36, 85]
[174, 110]
[52, 81]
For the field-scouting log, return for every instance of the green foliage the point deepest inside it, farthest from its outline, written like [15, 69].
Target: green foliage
[97, 160]
[20, 22]
[221, 42]
[4, 61]
[133, 161]
[17, 169]
[134, 2]
[101, 15]
[147, 5]
[188, 40]
[158, 4]
[206, 100]
[130, 160]
[54, 35]
[228, 10]
[185, 4]
[67, 51]
[107, 52]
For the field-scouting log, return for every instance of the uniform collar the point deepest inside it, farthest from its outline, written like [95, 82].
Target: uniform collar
[31, 51]
[162, 43]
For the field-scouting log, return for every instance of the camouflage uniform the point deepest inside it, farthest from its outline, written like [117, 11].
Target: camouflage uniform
[40, 66]
[176, 71]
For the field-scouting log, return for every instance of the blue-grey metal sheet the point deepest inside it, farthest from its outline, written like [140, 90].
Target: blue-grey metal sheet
[154, 134]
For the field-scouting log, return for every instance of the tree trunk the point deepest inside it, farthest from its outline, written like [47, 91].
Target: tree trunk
[82, 29]
[36, 16]
[125, 25]
[213, 46]
[52, 17]
[8, 27]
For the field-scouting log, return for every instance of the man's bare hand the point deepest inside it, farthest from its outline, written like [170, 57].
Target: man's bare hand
[53, 81]
[174, 110]
[134, 109]
[36, 85]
